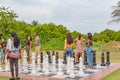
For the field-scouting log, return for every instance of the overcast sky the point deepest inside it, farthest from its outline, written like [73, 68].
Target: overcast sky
[80, 15]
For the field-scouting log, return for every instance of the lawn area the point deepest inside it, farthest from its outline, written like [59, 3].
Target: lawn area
[113, 76]
[7, 78]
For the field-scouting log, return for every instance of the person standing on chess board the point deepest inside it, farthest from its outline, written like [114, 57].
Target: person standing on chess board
[89, 50]
[13, 53]
[79, 48]
[28, 48]
[69, 45]
[4, 48]
[1, 53]
[37, 45]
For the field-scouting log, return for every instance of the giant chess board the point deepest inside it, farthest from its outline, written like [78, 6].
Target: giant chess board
[54, 73]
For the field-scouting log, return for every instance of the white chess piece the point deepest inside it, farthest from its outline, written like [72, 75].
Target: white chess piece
[33, 64]
[25, 70]
[46, 66]
[7, 67]
[43, 69]
[68, 65]
[72, 73]
[38, 63]
[54, 64]
[60, 69]
[19, 65]
[81, 72]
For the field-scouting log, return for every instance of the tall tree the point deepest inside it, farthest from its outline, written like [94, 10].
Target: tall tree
[116, 13]
[7, 20]
[34, 23]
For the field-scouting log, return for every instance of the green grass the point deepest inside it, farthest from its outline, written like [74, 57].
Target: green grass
[7, 78]
[113, 76]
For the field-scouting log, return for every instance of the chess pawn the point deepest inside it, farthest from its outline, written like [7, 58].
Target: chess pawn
[57, 56]
[46, 66]
[81, 72]
[85, 58]
[68, 65]
[72, 74]
[33, 64]
[60, 66]
[38, 63]
[41, 57]
[64, 56]
[7, 65]
[94, 58]
[43, 69]
[54, 63]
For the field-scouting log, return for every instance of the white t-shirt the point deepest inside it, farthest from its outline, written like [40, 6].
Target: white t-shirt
[10, 46]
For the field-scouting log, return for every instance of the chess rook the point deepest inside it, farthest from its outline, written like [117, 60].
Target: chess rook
[102, 59]
[107, 58]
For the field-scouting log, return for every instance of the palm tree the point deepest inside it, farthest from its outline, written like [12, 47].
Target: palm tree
[116, 13]
[34, 23]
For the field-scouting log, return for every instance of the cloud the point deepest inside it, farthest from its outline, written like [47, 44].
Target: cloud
[81, 15]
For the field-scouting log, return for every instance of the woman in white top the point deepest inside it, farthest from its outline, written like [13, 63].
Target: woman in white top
[13, 54]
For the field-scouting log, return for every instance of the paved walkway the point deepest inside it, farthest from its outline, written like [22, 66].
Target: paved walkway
[103, 73]
[96, 76]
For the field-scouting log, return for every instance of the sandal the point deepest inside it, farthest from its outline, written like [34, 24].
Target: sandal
[11, 78]
[17, 78]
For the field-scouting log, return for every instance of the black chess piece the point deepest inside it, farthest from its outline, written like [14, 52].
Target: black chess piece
[53, 53]
[107, 58]
[49, 57]
[74, 56]
[57, 57]
[64, 57]
[78, 57]
[85, 58]
[41, 57]
[94, 58]
[102, 59]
